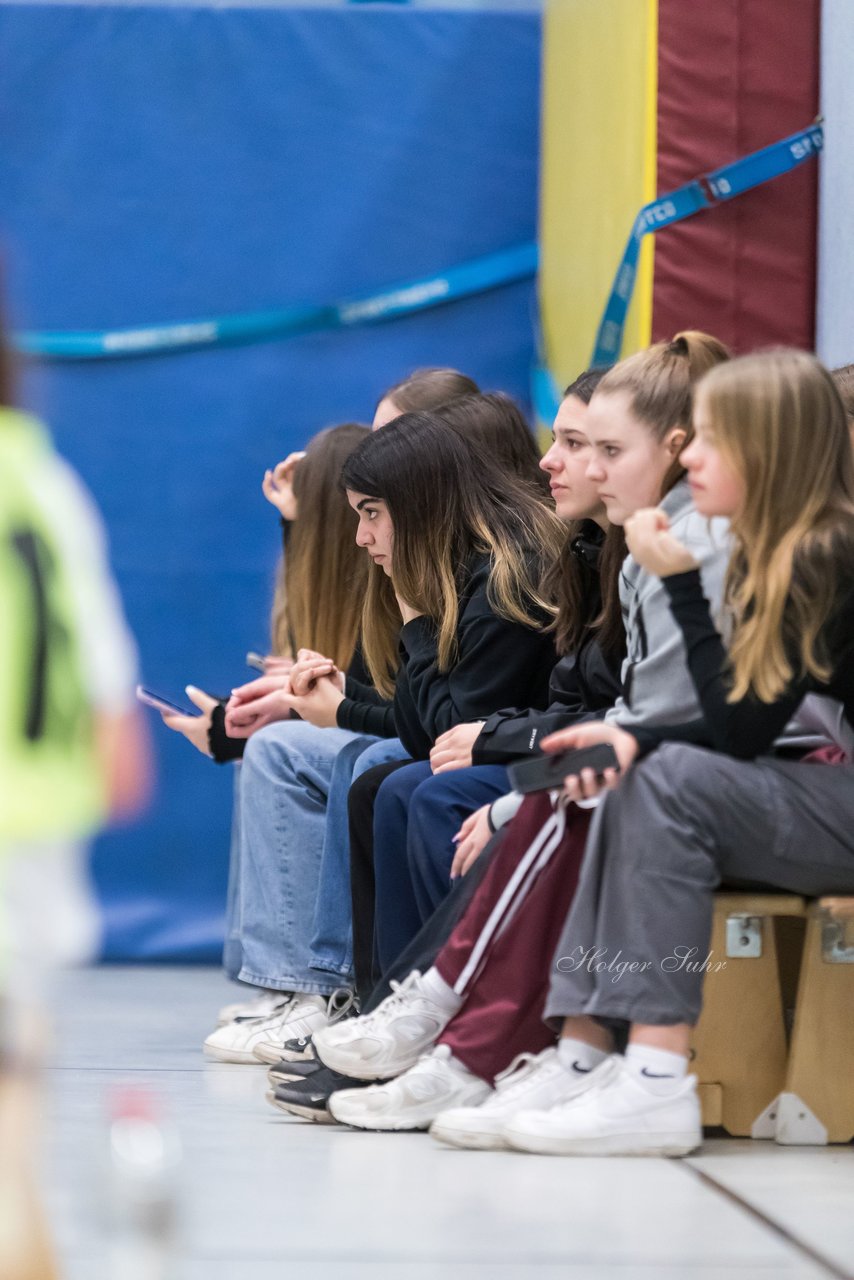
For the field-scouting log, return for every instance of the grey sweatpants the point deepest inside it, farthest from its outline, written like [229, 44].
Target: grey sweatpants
[635, 946]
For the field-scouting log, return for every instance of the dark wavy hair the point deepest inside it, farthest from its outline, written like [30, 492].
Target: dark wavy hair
[448, 501]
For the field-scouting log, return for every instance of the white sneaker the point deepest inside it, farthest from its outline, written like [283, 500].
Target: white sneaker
[307, 1015]
[414, 1099]
[261, 1006]
[615, 1115]
[529, 1081]
[238, 1041]
[391, 1039]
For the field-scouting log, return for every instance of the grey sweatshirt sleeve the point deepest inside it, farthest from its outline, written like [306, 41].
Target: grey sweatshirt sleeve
[504, 809]
[657, 685]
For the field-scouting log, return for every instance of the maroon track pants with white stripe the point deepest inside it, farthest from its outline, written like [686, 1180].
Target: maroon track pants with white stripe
[499, 956]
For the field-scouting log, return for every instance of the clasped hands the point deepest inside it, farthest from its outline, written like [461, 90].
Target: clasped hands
[654, 547]
[313, 688]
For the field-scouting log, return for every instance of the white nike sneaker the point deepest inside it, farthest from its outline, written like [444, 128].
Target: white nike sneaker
[238, 1041]
[615, 1115]
[391, 1039]
[539, 1081]
[414, 1099]
[260, 1006]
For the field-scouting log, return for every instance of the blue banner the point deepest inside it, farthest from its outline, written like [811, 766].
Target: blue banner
[469, 278]
[704, 192]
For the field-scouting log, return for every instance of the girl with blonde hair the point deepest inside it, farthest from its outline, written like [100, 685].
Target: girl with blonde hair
[709, 801]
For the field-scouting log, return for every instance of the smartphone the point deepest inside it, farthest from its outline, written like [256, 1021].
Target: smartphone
[545, 773]
[151, 699]
[255, 660]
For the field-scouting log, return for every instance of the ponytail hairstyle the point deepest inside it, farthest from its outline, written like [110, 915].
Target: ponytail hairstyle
[448, 501]
[496, 423]
[569, 579]
[660, 382]
[779, 420]
[428, 388]
[322, 578]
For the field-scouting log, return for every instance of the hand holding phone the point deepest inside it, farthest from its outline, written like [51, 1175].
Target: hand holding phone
[547, 772]
[193, 723]
[156, 700]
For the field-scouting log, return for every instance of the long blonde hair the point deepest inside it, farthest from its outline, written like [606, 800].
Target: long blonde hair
[448, 501]
[321, 580]
[779, 420]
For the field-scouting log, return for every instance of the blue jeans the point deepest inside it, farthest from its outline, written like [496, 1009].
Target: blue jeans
[416, 815]
[331, 948]
[280, 837]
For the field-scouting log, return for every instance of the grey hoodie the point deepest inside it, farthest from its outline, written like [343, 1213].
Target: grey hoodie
[657, 687]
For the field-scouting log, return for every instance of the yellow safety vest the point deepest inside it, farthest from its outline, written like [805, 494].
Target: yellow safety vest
[51, 785]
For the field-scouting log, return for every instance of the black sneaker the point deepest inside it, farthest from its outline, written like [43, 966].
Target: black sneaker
[309, 1097]
[284, 1072]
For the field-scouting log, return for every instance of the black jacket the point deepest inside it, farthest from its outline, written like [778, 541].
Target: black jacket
[582, 687]
[497, 662]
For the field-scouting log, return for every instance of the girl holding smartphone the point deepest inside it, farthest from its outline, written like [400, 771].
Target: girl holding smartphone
[708, 800]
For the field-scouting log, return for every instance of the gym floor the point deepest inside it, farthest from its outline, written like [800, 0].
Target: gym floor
[260, 1193]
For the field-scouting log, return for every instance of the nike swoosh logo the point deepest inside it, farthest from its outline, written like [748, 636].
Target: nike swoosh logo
[576, 1066]
[652, 1075]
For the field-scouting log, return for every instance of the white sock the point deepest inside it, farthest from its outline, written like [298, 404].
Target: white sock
[657, 1069]
[434, 985]
[577, 1056]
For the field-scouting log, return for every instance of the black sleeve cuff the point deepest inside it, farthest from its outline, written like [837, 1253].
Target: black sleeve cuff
[684, 586]
[223, 748]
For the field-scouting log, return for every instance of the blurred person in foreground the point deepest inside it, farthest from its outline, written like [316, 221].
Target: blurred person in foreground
[72, 750]
[72, 755]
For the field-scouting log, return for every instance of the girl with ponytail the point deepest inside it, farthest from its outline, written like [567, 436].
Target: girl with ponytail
[711, 799]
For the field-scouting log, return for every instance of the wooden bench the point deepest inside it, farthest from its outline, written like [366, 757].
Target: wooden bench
[772, 953]
[740, 1044]
[817, 1104]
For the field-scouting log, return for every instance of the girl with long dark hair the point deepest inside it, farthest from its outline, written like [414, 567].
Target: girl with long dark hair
[483, 998]
[475, 566]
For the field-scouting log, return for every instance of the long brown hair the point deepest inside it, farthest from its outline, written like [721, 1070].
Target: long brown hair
[322, 578]
[428, 388]
[495, 422]
[779, 420]
[660, 382]
[448, 501]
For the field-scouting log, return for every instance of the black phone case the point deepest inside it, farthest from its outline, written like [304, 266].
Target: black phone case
[544, 773]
